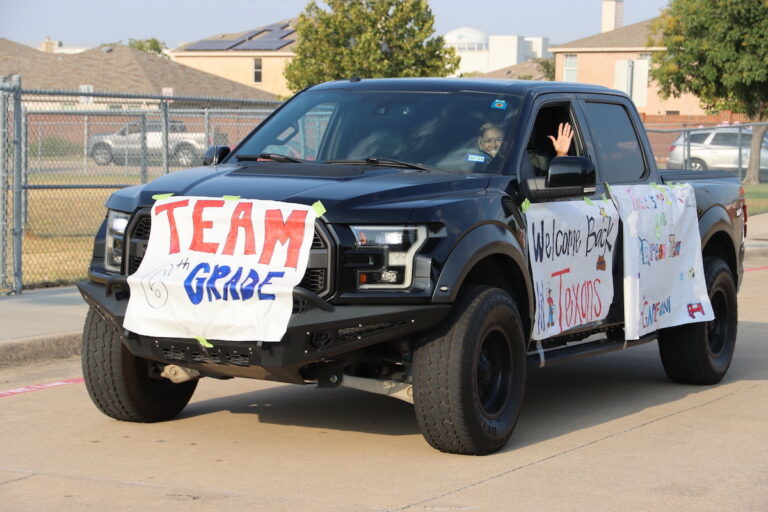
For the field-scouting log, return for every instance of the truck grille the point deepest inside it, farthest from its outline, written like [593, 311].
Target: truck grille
[316, 278]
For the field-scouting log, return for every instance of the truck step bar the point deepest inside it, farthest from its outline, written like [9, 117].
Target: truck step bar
[542, 358]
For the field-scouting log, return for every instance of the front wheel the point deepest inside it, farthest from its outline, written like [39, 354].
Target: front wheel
[123, 386]
[469, 380]
[186, 156]
[102, 155]
[701, 353]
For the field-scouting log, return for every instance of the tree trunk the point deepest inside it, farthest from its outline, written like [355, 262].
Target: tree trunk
[753, 169]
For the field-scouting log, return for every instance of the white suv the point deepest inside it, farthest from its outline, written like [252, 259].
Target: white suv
[715, 148]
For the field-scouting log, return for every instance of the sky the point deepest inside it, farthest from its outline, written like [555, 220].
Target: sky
[93, 22]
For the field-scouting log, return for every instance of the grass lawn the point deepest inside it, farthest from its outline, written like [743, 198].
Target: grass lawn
[757, 198]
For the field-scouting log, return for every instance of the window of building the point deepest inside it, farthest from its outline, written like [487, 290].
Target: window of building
[619, 156]
[257, 70]
[570, 68]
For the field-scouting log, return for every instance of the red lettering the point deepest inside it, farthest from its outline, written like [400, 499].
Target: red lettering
[169, 208]
[598, 308]
[241, 219]
[290, 232]
[199, 225]
[560, 296]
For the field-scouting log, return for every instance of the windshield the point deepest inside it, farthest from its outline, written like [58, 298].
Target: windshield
[462, 132]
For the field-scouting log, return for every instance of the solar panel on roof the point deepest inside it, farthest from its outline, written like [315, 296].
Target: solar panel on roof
[264, 44]
[212, 44]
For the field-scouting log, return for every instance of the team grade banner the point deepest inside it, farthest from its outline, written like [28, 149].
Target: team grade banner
[664, 281]
[571, 246]
[220, 269]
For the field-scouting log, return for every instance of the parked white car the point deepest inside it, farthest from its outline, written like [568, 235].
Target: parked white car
[715, 148]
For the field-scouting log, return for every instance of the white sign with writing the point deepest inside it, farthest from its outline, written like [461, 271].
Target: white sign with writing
[663, 272]
[571, 246]
[221, 269]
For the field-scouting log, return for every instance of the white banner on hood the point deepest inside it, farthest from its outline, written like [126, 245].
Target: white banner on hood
[571, 246]
[663, 272]
[221, 269]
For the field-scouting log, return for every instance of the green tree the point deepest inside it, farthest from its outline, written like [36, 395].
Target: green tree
[151, 45]
[546, 68]
[369, 39]
[716, 49]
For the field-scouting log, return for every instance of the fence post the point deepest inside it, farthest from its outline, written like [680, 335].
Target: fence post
[207, 127]
[143, 147]
[85, 144]
[18, 226]
[738, 144]
[164, 108]
[686, 149]
[24, 166]
[3, 188]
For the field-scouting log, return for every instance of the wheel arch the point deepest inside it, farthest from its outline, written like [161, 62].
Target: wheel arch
[715, 228]
[489, 254]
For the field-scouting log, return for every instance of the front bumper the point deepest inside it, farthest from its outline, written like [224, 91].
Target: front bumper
[313, 336]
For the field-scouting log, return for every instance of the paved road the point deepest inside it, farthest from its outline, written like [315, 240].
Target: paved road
[608, 433]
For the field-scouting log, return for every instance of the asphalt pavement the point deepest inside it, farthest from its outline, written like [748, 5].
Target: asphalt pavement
[47, 323]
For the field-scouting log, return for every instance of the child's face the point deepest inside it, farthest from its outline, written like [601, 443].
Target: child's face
[490, 141]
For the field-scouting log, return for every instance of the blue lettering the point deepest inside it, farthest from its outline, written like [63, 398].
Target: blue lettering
[267, 280]
[195, 292]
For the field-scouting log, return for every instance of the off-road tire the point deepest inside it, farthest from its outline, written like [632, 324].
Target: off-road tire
[123, 386]
[701, 353]
[101, 154]
[469, 378]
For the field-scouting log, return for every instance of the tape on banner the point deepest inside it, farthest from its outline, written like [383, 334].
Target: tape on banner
[608, 188]
[204, 342]
[604, 197]
[158, 197]
[319, 208]
[589, 202]
[525, 205]
[540, 349]
[230, 198]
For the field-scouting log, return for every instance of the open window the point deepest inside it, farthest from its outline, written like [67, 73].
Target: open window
[540, 149]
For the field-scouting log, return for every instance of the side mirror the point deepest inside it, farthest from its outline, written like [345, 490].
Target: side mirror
[215, 154]
[570, 171]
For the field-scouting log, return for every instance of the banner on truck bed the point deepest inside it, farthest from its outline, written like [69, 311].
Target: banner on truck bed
[220, 269]
[571, 246]
[663, 273]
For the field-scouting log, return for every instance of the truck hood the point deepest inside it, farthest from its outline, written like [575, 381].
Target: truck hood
[350, 193]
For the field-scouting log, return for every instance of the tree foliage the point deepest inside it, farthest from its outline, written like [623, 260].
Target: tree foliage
[151, 45]
[716, 49]
[546, 68]
[368, 39]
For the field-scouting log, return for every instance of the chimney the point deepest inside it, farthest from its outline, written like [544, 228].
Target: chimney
[612, 16]
[49, 46]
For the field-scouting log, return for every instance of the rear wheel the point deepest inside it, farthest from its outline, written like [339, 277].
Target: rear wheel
[701, 353]
[122, 385]
[186, 156]
[102, 155]
[698, 165]
[469, 380]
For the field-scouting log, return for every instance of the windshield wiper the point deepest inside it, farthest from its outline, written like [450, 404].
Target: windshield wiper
[376, 160]
[270, 156]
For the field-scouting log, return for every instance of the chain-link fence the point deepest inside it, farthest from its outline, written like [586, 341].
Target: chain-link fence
[63, 153]
[707, 146]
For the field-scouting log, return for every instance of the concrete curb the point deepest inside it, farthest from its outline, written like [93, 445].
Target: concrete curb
[40, 348]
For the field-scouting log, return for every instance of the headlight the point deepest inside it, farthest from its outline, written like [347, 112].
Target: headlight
[115, 243]
[397, 246]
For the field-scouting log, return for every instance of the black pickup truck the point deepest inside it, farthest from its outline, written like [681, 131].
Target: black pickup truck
[418, 283]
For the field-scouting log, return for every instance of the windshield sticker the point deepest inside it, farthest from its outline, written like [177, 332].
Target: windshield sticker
[219, 269]
[499, 104]
[475, 158]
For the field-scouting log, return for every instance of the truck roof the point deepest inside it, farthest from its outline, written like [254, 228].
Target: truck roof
[517, 87]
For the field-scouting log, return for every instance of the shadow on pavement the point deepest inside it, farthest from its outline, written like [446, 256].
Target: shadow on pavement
[559, 400]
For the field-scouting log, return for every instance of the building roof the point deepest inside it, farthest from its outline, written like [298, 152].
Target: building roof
[527, 70]
[280, 36]
[630, 36]
[116, 69]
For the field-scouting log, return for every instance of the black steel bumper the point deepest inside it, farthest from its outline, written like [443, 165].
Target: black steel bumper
[313, 335]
